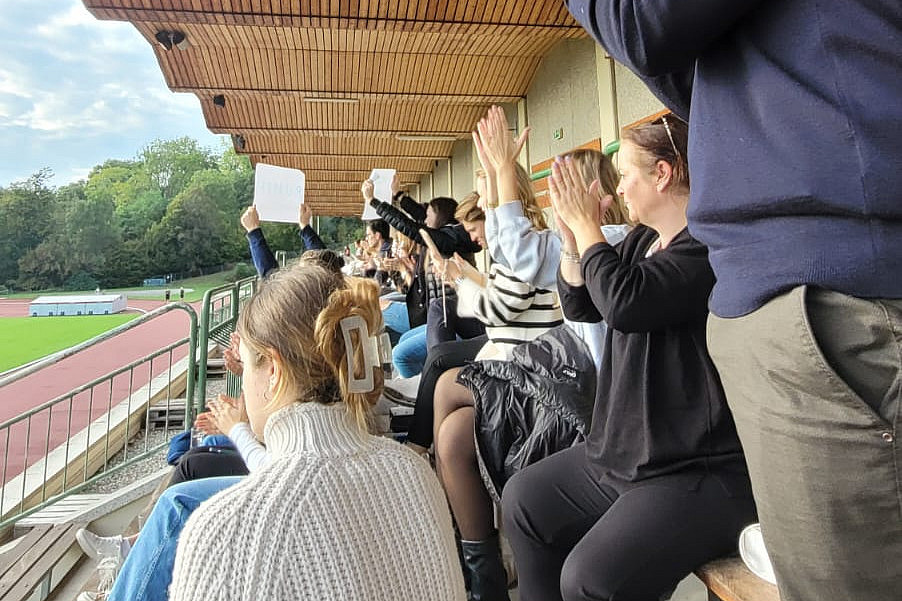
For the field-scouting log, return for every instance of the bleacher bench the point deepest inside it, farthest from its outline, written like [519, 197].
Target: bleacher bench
[729, 580]
[27, 569]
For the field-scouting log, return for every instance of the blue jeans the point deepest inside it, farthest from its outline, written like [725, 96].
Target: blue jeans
[409, 354]
[395, 317]
[147, 571]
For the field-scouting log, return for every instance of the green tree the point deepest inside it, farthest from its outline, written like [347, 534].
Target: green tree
[193, 234]
[81, 237]
[26, 217]
[171, 164]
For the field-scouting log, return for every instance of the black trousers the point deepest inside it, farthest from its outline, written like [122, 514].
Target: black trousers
[576, 538]
[440, 359]
[443, 324]
[208, 462]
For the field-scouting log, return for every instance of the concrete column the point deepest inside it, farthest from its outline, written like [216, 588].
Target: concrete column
[523, 123]
[607, 96]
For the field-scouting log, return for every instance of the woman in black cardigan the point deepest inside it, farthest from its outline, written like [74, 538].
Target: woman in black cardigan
[661, 486]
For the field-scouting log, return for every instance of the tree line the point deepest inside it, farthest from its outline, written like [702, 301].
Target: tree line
[174, 209]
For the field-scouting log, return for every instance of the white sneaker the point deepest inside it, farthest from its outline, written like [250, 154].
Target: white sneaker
[101, 547]
[107, 570]
[403, 390]
[754, 555]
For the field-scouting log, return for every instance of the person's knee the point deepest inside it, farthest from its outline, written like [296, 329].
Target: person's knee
[453, 442]
[582, 581]
[514, 501]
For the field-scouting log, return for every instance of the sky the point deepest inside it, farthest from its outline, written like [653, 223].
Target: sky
[76, 91]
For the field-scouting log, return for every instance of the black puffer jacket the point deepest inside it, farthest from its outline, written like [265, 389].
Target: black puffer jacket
[528, 408]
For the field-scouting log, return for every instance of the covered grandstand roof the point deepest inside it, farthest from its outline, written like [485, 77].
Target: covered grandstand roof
[337, 88]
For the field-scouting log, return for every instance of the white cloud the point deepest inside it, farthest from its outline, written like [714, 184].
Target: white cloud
[75, 174]
[76, 91]
[13, 84]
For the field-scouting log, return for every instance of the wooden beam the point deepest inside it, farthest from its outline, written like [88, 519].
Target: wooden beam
[449, 15]
[440, 98]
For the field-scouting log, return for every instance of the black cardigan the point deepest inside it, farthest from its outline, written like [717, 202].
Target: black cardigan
[659, 407]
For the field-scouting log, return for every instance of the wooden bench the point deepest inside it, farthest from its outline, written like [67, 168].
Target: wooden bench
[729, 580]
[32, 568]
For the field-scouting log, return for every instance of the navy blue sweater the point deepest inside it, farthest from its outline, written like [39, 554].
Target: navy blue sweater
[795, 141]
[262, 256]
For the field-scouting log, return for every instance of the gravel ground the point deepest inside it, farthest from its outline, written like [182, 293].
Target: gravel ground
[146, 466]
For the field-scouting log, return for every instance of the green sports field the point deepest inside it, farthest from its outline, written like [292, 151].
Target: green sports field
[23, 339]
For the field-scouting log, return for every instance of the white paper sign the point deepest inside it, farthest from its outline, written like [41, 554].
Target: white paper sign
[278, 192]
[381, 179]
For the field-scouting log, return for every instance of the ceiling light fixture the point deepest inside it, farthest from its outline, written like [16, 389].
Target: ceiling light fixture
[168, 39]
[426, 137]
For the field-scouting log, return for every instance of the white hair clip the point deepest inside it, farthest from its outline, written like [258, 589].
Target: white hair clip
[376, 353]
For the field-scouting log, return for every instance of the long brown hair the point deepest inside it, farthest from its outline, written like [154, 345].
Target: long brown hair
[595, 165]
[527, 197]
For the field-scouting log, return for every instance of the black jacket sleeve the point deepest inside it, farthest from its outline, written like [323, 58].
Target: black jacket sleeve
[637, 294]
[449, 239]
[412, 208]
[397, 219]
[576, 302]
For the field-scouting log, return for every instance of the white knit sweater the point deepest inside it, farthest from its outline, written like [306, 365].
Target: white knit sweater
[337, 514]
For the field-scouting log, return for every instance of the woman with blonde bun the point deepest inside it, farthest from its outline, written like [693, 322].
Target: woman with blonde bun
[337, 513]
[335, 502]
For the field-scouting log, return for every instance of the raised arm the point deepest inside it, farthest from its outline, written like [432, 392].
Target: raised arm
[311, 239]
[261, 255]
[531, 255]
[657, 37]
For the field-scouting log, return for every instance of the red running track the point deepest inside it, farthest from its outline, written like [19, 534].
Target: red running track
[59, 379]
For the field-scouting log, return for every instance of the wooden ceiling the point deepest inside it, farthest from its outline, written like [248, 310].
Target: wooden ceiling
[338, 87]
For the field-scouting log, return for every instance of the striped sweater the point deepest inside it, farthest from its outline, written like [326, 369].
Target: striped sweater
[513, 311]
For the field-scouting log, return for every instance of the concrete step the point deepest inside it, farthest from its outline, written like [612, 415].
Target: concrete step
[169, 413]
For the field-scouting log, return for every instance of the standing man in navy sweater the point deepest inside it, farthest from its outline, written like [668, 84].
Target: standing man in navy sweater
[796, 146]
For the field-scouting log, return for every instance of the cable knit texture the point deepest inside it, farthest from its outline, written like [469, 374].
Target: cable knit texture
[337, 514]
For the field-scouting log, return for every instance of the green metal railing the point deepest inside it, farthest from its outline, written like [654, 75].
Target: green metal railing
[85, 463]
[608, 150]
[219, 314]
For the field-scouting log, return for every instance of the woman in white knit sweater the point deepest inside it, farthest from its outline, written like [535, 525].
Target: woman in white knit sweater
[337, 513]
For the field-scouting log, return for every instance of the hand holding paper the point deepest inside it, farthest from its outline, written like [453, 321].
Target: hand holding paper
[380, 180]
[277, 192]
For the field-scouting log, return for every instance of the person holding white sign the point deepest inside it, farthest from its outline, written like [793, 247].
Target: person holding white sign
[262, 256]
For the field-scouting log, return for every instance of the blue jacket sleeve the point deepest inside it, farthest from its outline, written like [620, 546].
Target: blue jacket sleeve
[660, 40]
[263, 258]
[311, 239]
[657, 37]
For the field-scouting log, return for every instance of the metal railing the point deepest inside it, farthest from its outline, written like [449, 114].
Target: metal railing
[219, 314]
[76, 434]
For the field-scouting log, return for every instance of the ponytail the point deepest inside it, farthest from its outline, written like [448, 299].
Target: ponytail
[359, 298]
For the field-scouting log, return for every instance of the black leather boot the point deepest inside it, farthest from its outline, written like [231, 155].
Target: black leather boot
[482, 560]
